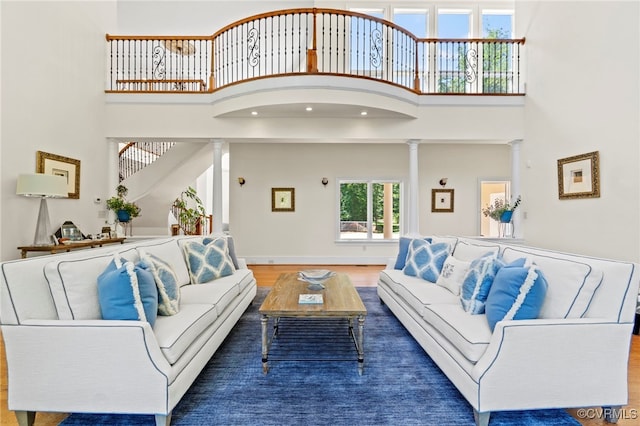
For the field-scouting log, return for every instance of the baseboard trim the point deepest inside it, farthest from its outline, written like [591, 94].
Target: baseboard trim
[312, 260]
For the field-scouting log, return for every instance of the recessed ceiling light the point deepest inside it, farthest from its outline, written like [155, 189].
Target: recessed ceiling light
[309, 109]
[363, 112]
[254, 112]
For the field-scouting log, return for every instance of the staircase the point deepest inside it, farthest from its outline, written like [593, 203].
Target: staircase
[155, 186]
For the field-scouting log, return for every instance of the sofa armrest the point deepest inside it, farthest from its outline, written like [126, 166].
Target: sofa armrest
[85, 365]
[391, 263]
[242, 263]
[564, 359]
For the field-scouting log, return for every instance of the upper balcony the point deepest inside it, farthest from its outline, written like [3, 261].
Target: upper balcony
[314, 42]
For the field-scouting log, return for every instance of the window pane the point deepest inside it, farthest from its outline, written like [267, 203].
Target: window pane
[453, 24]
[497, 25]
[386, 210]
[353, 210]
[496, 57]
[412, 20]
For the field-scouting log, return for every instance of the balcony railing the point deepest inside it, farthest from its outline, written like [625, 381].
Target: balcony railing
[314, 42]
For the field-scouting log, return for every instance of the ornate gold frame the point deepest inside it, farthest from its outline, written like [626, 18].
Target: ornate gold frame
[53, 164]
[442, 200]
[283, 199]
[579, 176]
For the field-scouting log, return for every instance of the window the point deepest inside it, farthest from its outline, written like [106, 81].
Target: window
[415, 21]
[497, 69]
[369, 210]
[452, 55]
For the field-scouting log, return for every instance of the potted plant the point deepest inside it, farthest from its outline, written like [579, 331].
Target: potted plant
[189, 209]
[124, 209]
[501, 210]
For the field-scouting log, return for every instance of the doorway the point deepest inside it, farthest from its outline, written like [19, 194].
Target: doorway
[490, 191]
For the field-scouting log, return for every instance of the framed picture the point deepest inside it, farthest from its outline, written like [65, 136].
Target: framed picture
[58, 165]
[442, 200]
[283, 199]
[579, 176]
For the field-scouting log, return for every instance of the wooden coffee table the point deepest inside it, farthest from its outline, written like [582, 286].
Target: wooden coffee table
[340, 300]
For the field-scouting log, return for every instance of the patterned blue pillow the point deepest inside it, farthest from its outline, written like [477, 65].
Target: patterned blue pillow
[517, 292]
[425, 260]
[167, 284]
[477, 283]
[127, 292]
[403, 249]
[208, 260]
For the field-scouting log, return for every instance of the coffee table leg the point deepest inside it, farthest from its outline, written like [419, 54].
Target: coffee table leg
[360, 344]
[264, 320]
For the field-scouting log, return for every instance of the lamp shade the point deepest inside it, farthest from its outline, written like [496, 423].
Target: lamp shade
[41, 185]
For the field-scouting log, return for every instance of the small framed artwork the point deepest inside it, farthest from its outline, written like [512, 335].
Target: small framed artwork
[69, 168]
[283, 200]
[442, 200]
[579, 176]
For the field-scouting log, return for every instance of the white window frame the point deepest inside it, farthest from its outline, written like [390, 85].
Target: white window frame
[369, 182]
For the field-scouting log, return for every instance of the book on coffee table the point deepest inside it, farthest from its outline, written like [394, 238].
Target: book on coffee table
[310, 299]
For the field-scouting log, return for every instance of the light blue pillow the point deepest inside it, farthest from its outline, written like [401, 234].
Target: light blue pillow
[403, 249]
[425, 260]
[127, 292]
[517, 292]
[477, 283]
[208, 260]
[166, 282]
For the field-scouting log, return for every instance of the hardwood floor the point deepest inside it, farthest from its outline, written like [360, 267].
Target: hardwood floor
[361, 276]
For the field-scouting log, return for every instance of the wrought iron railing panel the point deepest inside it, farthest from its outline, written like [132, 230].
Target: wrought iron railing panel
[314, 41]
[135, 156]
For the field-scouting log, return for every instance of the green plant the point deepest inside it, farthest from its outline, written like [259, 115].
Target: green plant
[119, 202]
[499, 206]
[190, 209]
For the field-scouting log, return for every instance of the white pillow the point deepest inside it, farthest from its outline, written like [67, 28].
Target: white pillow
[452, 274]
[469, 252]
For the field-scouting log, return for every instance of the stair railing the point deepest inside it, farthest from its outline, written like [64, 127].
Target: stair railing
[135, 156]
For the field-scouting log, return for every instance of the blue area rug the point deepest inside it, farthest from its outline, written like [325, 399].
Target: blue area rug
[313, 380]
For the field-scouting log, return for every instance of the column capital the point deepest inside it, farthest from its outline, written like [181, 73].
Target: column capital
[515, 143]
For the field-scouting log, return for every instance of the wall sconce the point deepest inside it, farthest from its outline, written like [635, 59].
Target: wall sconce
[443, 182]
[241, 181]
[325, 181]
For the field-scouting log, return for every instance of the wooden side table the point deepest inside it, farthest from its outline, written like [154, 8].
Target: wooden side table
[59, 248]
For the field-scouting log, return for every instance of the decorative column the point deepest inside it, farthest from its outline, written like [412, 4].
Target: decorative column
[217, 186]
[515, 186]
[413, 226]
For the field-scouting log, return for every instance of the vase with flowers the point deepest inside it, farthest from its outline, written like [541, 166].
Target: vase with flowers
[501, 210]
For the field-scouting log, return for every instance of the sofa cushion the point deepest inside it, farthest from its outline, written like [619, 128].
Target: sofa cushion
[452, 274]
[176, 333]
[403, 249]
[218, 293]
[416, 291]
[571, 284]
[166, 282]
[517, 292]
[169, 251]
[425, 260]
[74, 286]
[470, 334]
[127, 291]
[477, 282]
[469, 251]
[208, 260]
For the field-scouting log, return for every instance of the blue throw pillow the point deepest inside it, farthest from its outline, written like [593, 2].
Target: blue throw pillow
[208, 260]
[518, 292]
[477, 283]
[167, 284]
[127, 292]
[403, 249]
[425, 260]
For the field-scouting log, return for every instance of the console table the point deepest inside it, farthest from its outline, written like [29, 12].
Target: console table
[57, 248]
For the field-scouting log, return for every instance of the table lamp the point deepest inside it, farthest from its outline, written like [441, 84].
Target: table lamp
[43, 186]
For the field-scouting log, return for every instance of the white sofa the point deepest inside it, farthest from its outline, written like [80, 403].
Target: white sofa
[575, 354]
[62, 357]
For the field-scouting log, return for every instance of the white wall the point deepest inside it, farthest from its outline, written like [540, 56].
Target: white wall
[582, 96]
[52, 100]
[309, 233]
